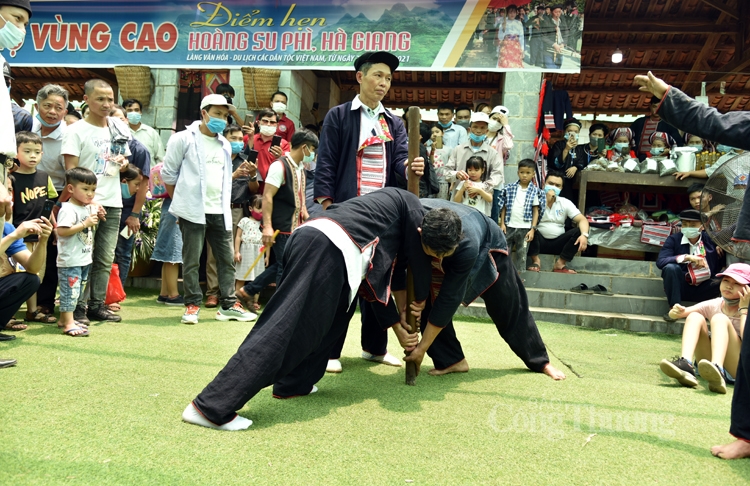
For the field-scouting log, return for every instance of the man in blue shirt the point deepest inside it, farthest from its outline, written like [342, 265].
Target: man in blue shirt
[453, 134]
[17, 287]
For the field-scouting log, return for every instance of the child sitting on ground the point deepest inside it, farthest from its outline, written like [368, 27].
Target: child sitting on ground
[31, 189]
[472, 192]
[520, 210]
[75, 240]
[717, 351]
[247, 246]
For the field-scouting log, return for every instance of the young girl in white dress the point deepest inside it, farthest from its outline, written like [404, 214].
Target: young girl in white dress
[247, 246]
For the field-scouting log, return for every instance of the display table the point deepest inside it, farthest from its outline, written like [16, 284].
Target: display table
[625, 181]
[621, 238]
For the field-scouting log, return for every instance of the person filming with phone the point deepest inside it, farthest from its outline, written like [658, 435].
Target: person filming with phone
[569, 157]
[268, 145]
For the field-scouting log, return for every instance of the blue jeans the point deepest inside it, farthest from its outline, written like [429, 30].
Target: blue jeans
[72, 282]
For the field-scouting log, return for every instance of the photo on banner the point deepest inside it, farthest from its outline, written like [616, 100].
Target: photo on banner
[426, 35]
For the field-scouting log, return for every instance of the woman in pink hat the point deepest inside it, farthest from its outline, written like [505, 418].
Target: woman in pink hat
[717, 351]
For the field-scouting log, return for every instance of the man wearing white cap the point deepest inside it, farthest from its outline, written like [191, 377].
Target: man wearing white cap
[477, 145]
[197, 172]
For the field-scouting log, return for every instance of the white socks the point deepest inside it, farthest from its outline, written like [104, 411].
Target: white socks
[191, 415]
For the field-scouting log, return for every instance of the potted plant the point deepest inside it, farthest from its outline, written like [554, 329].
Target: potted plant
[145, 239]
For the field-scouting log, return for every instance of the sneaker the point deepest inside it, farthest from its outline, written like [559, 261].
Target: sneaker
[714, 375]
[79, 315]
[102, 314]
[333, 366]
[235, 313]
[191, 314]
[681, 370]
[179, 300]
[387, 358]
[667, 318]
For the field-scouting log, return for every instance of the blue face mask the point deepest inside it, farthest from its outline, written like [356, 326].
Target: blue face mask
[699, 147]
[657, 150]
[309, 159]
[45, 124]
[723, 148]
[477, 138]
[445, 125]
[552, 188]
[125, 190]
[237, 147]
[216, 125]
[622, 147]
[691, 233]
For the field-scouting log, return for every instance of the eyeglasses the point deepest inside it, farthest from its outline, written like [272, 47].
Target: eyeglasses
[263, 121]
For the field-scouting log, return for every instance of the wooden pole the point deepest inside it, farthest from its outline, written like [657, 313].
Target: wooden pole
[413, 118]
[263, 252]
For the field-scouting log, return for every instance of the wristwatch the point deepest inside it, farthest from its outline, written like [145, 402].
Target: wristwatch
[137, 215]
[586, 235]
[534, 228]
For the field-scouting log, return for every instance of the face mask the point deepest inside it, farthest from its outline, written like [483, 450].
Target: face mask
[267, 130]
[10, 35]
[445, 125]
[216, 125]
[730, 301]
[657, 150]
[237, 147]
[464, 123]
[691, 233]
[279, 108]
[622, 147]
[477, 138]
[495, 126]
[699, 147]
[309, 159]
[552, 188]
[723, 148]
[125, 190]
[257, 215]
[594, 141]
[134, 118]
[45, 124]
[8, 89]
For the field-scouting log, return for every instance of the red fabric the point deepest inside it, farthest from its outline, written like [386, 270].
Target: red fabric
[285, 129]
[511, 55]
[265, 158]
[115, 292]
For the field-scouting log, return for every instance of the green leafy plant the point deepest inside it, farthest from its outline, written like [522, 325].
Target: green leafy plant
[145, 239]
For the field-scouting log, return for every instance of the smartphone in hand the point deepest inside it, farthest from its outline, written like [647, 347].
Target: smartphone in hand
[252, 155]
[47, 209]
[276, 141]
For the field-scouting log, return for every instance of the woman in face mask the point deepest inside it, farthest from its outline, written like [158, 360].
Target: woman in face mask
[660, 142]
[569, 157]
[622, 145]
[499, 135]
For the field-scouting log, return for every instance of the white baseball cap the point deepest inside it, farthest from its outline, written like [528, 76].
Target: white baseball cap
[500, 108]
[480, 117]
[215, 99]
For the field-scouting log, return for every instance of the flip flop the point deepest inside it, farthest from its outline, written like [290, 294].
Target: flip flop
[601, 289]
[563, 270]
[85, 332]
[582, 288]
[533, 268]
[14, 325]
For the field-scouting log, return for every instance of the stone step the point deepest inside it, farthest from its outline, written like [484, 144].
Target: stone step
[606, 266]
[594, 320]
[623, 285]
[629, 304]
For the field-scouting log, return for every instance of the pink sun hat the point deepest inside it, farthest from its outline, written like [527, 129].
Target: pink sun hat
[738, 271]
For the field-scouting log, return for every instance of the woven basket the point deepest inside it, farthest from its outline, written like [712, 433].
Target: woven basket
[135, 82]
[260, 84]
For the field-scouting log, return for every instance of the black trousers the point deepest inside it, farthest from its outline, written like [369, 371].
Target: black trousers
[374, 338]
[740, 424]
[273, 272]
[294, 334]
[15, 289]
[677, 288]
[508, 307]
[564, 245]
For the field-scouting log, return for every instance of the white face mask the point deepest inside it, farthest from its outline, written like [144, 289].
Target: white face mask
[494, 126]
[10, 35]
[279, 108]
[268, 130]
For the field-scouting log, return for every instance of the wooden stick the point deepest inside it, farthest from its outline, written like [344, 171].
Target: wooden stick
[257, 259]
[413, 118]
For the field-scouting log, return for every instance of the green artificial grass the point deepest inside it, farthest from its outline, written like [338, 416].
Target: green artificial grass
[106, 410]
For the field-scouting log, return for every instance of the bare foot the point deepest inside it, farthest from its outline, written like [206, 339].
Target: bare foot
[553, 372]
[738, 449]
[460, 367]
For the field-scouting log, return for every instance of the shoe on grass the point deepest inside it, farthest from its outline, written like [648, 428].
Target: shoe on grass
[667, 318]
[235, 313]
[79, 315]
[714, 375]
[333, 366]
[191, 314]
[102, 314]
[681, 370]
[178, 300]
[387, 359]
[191, 415]
[7, 363]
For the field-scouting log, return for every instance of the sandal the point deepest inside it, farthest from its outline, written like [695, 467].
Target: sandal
[85, 332]
[15, 325]
[582, 288]
[564, 270]
[533, 268]
[39, 316]
[601, 289]
[114, 307]
[256, 306]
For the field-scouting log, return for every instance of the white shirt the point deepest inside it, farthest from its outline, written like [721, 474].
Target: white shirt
[369, 123]
[552, 223]
[7, 125]
[476, 202]
[53, 161]
[213, 157]
[151, 139]
[516, 211]
[92, 146]
[74, 250]
[276, 172]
